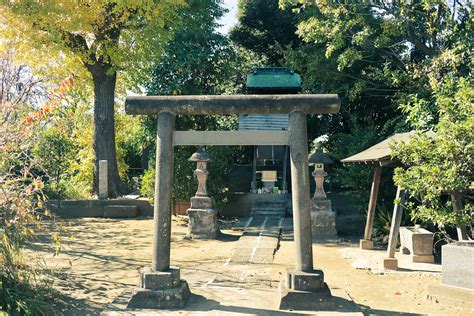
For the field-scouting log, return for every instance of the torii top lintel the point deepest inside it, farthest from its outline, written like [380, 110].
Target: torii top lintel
[233, 104]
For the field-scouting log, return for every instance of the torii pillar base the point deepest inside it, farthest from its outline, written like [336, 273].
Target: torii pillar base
[305, 291]
[160, 290]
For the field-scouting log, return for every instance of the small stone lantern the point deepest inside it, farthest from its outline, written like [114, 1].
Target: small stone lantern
[202, 213]
[323, 219]
[201, 157]
[319, 159]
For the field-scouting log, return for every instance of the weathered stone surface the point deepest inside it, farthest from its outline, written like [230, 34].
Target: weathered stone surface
[457, 268]
[97, 208]
[202, 202]
[298, 135]
[103, 180]
[202, 223]
[304, 281]
[366, 244]
[323, 224]
[159, 280]
[418, 243]
[233, 104]
[320, 205]
[176, 297]
[305, 300]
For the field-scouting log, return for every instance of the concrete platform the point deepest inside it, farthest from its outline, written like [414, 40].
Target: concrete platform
[374, 260]
[113, 208]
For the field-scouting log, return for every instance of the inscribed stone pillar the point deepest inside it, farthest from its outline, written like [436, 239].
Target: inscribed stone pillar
[103, 180]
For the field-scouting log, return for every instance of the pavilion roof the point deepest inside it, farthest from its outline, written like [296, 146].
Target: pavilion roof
[379, 153]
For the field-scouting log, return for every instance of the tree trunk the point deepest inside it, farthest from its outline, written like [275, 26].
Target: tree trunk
[104, 126]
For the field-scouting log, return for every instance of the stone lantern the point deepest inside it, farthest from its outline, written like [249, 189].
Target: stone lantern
[202, 213]
[319, 159]
[201, 157]
[323, 219]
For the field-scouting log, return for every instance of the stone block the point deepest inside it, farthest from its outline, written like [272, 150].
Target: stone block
[202, 223]
[456, 264]
[304, 281]
[323, 224]
[306, 300]
[176, 297]
[202, 202]
[159, 280]
[321, 205]
[418, 242]
[390, 263]
[103, 180]
[366, 244]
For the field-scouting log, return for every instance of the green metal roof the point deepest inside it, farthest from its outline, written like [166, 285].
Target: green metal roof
[281, 80]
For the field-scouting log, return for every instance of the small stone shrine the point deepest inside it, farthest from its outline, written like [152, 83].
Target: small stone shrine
[202, 214]
[323, 218]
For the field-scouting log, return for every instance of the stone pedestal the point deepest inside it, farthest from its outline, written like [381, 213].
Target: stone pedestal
[305, 291]
[457, 285]
[202, 218]
[323, 219]
[160, 289]
[417, 242]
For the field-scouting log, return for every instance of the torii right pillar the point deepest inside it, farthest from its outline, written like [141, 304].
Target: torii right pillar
[304, 287]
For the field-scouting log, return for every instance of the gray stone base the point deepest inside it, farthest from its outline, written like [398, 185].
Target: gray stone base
[323, 224]
[202, 224]
[202, 202]
[305, 291]
[176, 297]
[159, 280]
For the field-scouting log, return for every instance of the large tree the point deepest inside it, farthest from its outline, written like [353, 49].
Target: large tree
[265, 29]
[101, 37]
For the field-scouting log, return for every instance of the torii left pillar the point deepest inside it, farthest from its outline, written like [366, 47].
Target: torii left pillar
[160, 285]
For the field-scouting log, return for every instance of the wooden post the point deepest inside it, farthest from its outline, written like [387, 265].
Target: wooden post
[390, 262]
[367, 243]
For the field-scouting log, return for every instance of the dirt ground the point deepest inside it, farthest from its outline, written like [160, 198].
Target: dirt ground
[104, 258]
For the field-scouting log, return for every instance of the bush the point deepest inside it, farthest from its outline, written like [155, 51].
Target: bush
[185, 183]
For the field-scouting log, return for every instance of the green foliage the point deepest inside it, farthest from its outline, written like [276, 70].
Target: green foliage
[441, 164]
[197, 61]
[185, 183]
[265, 30]
[54, 151]
[22, 213]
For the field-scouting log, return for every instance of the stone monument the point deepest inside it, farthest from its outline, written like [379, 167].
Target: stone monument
[202, 214]
[323, 218]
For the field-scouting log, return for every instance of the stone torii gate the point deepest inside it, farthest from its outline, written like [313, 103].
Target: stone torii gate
[160, 284]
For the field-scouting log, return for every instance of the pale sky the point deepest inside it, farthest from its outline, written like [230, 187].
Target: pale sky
[230, 19]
